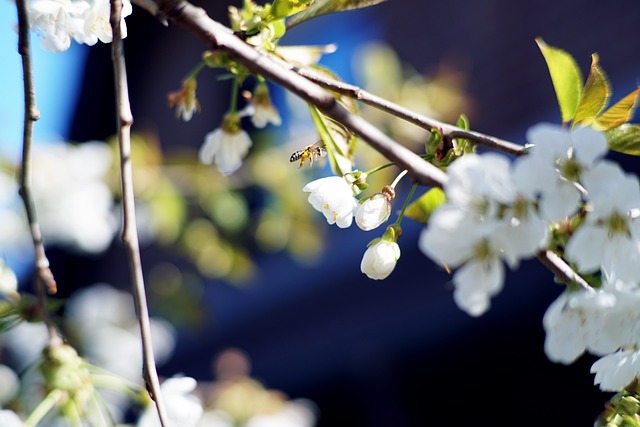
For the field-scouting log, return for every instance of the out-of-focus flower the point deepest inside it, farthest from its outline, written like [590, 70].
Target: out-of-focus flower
[474, 230]
[8, 280]
[75, 205]
[381, 256]
[333, 196]
[374, 211]
[261, 110]
[185, 99]
[183, 408]
[614, 371]
[556, 163]
[296, 413]
[97, 25]
[58, 21]
[10, 386]
[101, 318]
[226, 146]
[8, 418]
[609, 238]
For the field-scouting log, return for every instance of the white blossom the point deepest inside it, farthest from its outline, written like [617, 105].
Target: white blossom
[226, 146]
[296, 413]
[609, 238]
[616, 370]
[75, 204]
[97, 25]
[59, 21]
[380, 259]
[8, 418]
[553, 168]
[333, 196]
[373, 212]
[183, 408]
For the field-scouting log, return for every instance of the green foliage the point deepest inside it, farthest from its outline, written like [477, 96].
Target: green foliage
[336, 139]
[322, 7]
[625, 139]
[284, 8]
[596, 94]
[566, 78]
[421, 209]
[592, 100]
[619, 113]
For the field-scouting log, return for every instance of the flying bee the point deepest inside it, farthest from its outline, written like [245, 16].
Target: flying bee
[310, 152]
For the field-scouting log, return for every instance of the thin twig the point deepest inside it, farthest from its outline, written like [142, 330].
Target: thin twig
[220, 37]
[403, 113]
[562, 270]
[129, 229]
[44, 277]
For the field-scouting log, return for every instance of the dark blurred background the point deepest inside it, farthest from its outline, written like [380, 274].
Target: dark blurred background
[396, 352]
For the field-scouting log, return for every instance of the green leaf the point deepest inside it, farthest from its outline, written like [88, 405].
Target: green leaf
[566, 78]
[619, 113]
[322, 7]
[283, 8]
[624, 139]
[421, 209]
[336, 138]
[596, 94]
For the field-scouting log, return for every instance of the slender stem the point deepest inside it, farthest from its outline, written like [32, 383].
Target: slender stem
[379, 168]
[234, 95]
[398, 178]
[54, 398]
[406, 203]
[562, 270]
[129, 230]
[44, 277]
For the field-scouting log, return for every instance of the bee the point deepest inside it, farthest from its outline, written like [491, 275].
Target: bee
[310, 152]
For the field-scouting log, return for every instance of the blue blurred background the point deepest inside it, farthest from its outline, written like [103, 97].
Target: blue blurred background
[391, 353]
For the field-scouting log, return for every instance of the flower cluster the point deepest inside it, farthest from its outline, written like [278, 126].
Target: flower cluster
[500, 212]
[334, 196]
[86, 22]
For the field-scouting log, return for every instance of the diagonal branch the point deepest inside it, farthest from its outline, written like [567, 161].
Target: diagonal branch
[129, 230]
[403, 113]
[44, 277]
[220, 37]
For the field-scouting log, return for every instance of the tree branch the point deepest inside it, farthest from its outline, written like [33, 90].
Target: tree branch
[44, 277]
[419, 120]
[220, 37]
[129, 230]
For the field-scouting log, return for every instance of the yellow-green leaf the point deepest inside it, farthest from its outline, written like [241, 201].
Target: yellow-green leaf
[322, 7]
[596, 94]
[566, 78]
[619, 113]
[421, 209]
[335, 138]
[283, 8]
[624, 139]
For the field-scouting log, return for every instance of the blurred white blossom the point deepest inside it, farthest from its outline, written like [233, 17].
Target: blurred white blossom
[609, 238]
[295, 413]
[74, 204]
[183, 408]
[487, 219]
[226, 146]
[8, 418]
[59, 21]
[555, 164]
[10, 386]
[333, 196]
[615, 371]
